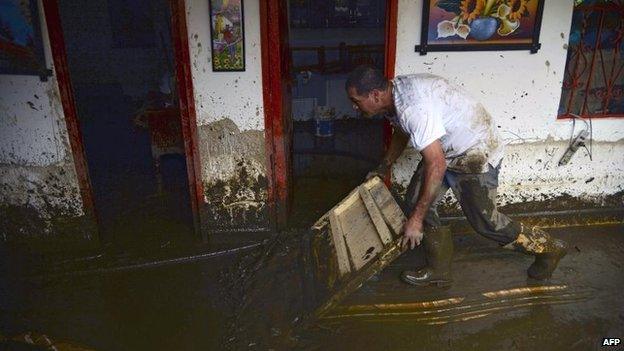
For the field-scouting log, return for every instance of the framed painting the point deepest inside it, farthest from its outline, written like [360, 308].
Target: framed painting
[476, 25]
[227, 35]
[21, 46]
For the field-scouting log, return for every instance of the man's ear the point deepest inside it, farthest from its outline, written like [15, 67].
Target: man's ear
[376, 95]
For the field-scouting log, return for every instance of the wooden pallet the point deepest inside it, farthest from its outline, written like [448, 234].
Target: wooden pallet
[354, 241]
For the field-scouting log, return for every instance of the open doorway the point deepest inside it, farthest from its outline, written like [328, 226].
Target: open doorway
[332, 148]
[120, 59]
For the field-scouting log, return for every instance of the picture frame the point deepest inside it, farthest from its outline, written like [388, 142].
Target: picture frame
[480, 25]
[21, 43]
[227, 35]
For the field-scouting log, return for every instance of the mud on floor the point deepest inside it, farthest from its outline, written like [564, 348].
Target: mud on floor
[265, 291]
[269, 299]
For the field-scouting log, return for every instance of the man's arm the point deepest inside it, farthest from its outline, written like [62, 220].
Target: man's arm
[434, 168]
[397, 145]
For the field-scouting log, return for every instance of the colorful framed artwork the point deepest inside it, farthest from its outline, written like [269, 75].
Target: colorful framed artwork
[476, 25]
[21, 46]
[227, 35]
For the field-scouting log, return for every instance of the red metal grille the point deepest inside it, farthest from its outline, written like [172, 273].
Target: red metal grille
[593, 83]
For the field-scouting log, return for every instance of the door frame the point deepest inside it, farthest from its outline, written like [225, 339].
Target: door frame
[66, 93]
[188, 117]
[275, 69]
[186, 103]
[275, 83]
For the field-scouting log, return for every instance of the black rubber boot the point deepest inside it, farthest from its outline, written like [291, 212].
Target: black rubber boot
[438, 245]
[547, 251]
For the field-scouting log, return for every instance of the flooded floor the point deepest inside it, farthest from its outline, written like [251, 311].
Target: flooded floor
[257, 300]
[588, 307]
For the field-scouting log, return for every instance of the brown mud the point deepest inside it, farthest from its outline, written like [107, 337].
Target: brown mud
[238, 203]
[259, 298]
[234, 177]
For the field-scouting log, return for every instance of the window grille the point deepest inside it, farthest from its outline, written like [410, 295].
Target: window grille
[593, 84]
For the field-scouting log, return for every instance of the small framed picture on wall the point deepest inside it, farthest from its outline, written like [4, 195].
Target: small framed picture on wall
[477, 25]
[227, 35]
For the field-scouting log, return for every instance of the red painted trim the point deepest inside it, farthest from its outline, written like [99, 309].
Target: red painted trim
[188, 119]
[274, 51]
[267, 102]
[392, 8]
[61, 68]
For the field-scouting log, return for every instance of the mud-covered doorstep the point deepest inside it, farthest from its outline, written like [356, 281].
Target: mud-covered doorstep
[41, 206]
[234, 177]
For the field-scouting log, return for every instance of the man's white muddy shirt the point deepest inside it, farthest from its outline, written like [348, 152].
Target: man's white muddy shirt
[429, 108]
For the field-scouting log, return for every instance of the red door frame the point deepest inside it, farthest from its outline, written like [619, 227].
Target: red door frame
[188, 118]
[275, 91]
[275, 84]
[392, 8]
[186, 103]
[66, 92]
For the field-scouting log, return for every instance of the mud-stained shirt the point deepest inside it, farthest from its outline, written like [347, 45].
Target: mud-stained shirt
[430, 108]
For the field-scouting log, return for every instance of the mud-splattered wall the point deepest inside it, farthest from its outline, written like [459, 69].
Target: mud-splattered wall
[230, 120]
[39, 196]
[520, 89]
[522, 92]
[38, 188]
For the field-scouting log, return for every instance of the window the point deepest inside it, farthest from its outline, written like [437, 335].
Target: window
[593, 84]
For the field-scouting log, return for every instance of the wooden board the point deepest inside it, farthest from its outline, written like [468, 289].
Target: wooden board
[356, 239]
[376, 216]
[361, 236]
[392, 213]
[339, 243]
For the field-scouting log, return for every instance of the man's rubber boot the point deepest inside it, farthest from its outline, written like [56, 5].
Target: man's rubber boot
[438, 245]
[547, 251]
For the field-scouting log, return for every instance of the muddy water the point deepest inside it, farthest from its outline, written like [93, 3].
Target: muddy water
[174, 307]
[589, 308]
[257, 300]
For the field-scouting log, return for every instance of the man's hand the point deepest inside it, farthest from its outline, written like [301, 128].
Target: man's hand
[397, 145]
[412, 233]
[381, 171]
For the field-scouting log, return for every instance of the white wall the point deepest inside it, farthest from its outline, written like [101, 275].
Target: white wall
[30, 114]
[522, 92]
[230, 121]
[233, 95]
[520, 89]
[36, 165]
